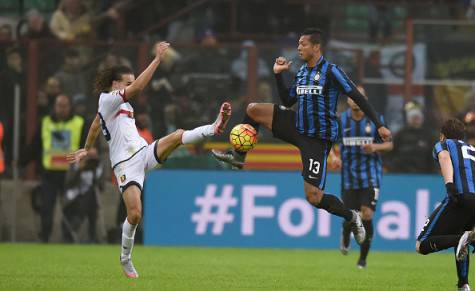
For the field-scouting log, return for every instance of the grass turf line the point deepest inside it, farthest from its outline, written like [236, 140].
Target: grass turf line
[96, 267]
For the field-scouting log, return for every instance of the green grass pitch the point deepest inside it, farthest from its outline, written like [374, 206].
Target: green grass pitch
[96, 267]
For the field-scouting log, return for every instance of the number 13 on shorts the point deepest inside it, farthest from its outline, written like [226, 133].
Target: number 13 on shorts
[314, 166]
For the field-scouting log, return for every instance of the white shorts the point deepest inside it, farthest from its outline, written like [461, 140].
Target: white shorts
[132, 171]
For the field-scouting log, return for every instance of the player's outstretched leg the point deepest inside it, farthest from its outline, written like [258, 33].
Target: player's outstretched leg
[167, 144]
[256, 114]
[462, 247]
[133, 205]
[333, 205]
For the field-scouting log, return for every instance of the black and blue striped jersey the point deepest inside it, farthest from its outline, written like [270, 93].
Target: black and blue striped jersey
[359, 170]
[463, 161]
[316, 91]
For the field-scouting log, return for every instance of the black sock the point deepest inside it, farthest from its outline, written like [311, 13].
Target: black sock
[334, 205]
[346, 232]
[437, 243]
[462, 269]
[364, 248]
[248, 120]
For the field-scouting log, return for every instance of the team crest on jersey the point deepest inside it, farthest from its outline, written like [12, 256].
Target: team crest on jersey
[122, 178]
[317, 76]
[368, 128]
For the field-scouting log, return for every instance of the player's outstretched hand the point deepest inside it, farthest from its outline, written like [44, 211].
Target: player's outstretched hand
[281, 64]
[160, 49]
[385, 133]
[76, 156]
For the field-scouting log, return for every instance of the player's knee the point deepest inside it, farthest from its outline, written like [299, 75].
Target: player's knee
[366, 214]
[252, 109]
[314, 196]
[134, 215]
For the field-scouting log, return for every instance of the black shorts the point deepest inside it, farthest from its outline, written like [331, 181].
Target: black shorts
[355, 198]
[448, 219]
[313, 151]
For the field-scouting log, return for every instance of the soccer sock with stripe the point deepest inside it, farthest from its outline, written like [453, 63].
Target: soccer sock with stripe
[247, 120]
[462, 269]
[334, 205]
[437, 243]
[128, 234]
[364, 248]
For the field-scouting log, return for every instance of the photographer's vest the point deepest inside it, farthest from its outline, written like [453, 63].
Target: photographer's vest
[60, 139]
[2, 155]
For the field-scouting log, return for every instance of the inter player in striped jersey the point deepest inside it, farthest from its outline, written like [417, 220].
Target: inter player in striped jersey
[130, 154]
[456, 214]
[313, 127]
[361, 171]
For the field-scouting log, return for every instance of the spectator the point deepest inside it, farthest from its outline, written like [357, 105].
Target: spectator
[112, 59]
[6, 33]
[71, 77]
[12, 75]
[2, 156]
[71, 21]
[81, 201]
[59, 134]
[37, 27]
[469, 120]
[46, 97]
[142, 121]
[413, 144]
[379, 19]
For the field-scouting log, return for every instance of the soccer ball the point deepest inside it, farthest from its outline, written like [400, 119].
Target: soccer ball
[243, 137]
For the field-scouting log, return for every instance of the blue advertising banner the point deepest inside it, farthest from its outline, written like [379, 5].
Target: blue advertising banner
[268, 209]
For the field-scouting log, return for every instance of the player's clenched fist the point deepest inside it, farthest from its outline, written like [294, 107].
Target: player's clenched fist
[281, 64]
[160, 49]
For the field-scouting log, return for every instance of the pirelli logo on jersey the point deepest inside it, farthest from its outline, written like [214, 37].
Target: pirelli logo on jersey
[313, 90]
[357, 141]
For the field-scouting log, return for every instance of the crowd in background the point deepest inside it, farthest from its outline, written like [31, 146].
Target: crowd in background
[78, 38]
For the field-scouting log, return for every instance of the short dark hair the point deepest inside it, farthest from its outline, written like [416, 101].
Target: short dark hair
[105, 77]
[453, 129]
[316, 35]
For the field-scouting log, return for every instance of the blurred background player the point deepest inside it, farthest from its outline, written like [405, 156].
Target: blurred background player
[456, 213]
[361, 171]
[130, 154]
[314, 126]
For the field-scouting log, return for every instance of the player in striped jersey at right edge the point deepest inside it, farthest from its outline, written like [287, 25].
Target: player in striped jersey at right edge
[456, 214]
[361, 171]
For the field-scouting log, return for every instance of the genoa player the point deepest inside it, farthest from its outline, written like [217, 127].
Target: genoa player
[361, 171]
[456, 214]
[130, 154]
[313, 127]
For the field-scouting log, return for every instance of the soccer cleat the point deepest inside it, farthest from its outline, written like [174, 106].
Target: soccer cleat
[229, 157]
[128, 268]
[462, 247]
[361, 264]
[345, 239]
[465, 287]
[357, 228]
[223, 118]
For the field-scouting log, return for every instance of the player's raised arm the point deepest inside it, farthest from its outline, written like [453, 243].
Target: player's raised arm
[287, 96]
[351, 91]
[144, 78]
[90, 140]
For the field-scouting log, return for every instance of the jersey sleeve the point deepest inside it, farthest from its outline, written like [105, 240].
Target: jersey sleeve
[344, 83]
[440, 146]
[110, 102]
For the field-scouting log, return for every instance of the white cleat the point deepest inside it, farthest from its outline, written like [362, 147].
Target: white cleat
[465, 287]
[128, 268]
[223, 118]
[357, 228]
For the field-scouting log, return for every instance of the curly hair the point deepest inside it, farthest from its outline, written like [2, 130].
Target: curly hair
[453, 129]
[104, 78]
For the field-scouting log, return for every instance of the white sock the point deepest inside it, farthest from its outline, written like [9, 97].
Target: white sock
[198, 134]
[128, 234]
